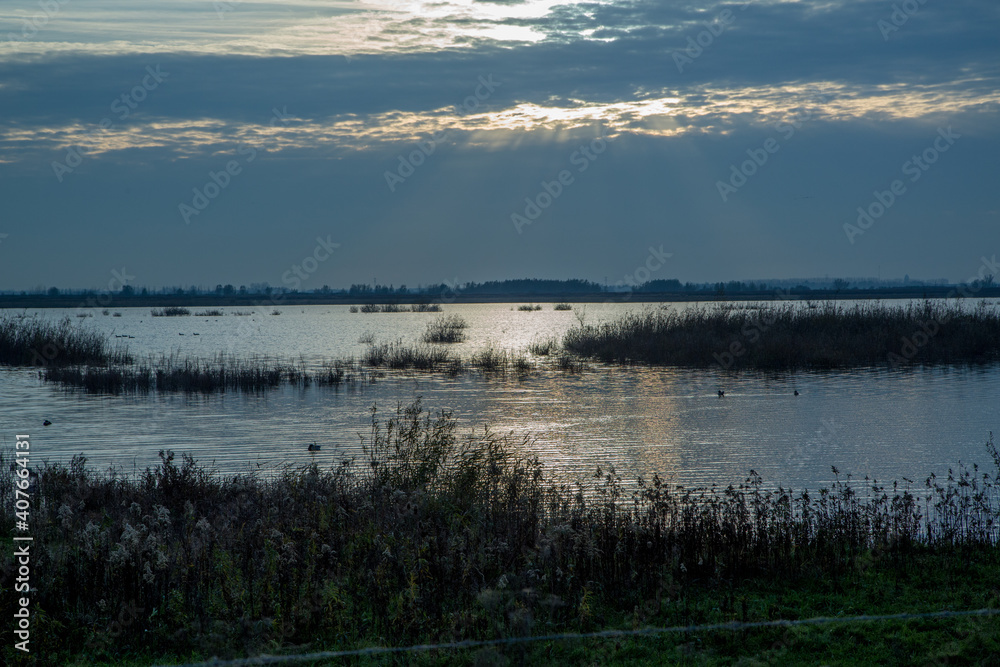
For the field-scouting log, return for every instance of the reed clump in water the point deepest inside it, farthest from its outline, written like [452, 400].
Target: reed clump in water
[221, 374]
[397, 308]
[562, 306]
[211, 312]
[169, 311]
[401, 356]
[433, 536]
[29, 341]
[788, 336]
[491, 360]
[543, 348]
[446, 329]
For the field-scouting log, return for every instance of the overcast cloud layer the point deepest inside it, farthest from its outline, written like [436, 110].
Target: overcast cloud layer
[197, 143]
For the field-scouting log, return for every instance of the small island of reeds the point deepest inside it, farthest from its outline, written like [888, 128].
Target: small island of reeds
[790, 336]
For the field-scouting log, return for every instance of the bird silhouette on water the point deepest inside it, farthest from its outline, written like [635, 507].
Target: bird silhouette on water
[721, 393]
[314, 447]
[796, 392]
[46, 423]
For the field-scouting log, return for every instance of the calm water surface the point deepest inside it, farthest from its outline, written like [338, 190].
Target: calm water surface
[880, 423]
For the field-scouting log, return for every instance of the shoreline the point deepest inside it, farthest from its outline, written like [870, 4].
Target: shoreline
[106, 299]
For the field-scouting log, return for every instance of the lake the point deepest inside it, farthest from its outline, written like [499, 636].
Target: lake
[881, 423]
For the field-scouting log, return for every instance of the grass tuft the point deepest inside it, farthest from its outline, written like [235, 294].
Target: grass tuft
[446, 329]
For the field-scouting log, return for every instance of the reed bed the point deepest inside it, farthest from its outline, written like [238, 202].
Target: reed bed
[220, 374]
[529, 307]
[562, 306]
[446, 329]
[169, 311]
[433, 536]
[494, 360]
[28, 341]
[397, 308]
[543, 348]
[401, 356]
[788, 336]
[211, 312]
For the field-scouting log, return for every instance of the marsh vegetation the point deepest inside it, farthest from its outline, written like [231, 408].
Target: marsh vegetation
[429, 535]
[446, 329]
[170, 311]
[29, 341]
[788, 336]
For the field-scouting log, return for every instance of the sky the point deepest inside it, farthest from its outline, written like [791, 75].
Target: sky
[317, 142]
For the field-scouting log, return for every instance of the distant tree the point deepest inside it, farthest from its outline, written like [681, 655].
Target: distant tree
[243, 289]
[228, 290]
[145, 292]
[53, 291]
[840, 284]
[127, 290]
[218, 289]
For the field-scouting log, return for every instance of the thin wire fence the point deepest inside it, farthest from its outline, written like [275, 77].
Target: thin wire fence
[605, 634]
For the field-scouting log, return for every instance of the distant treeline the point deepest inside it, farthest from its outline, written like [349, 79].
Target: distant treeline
[497, 290]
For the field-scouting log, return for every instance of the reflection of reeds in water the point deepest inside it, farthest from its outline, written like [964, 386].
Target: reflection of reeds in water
[787, 336]
[467, 534]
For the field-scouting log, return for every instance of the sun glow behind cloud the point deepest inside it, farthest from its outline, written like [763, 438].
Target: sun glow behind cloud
[249, 27]
[705, 109]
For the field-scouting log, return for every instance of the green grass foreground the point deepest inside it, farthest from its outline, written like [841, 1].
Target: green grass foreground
[791, 336]
[431, 537]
